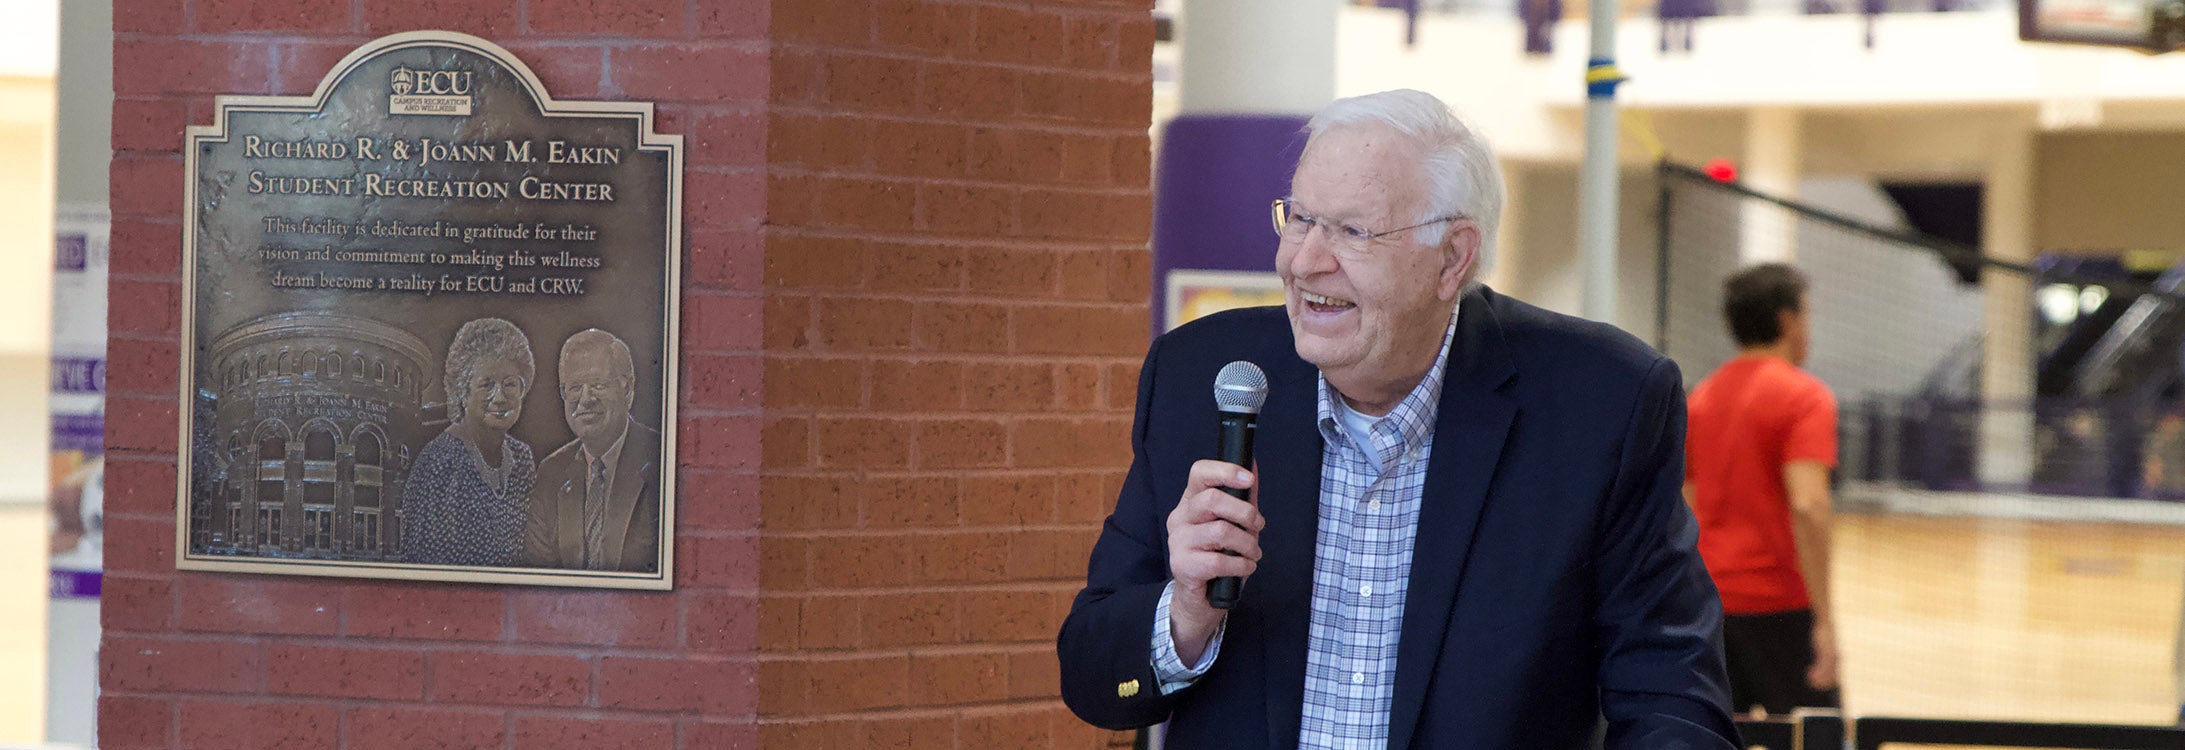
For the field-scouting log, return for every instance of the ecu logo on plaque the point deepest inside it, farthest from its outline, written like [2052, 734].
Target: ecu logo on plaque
[429, 92]
[429, 328]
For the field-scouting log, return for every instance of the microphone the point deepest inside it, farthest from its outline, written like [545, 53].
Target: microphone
[1239, 391]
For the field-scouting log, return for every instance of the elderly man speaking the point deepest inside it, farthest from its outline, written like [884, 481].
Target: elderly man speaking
[1466, 528]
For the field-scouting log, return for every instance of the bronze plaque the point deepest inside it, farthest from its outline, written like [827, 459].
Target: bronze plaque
[429, 328]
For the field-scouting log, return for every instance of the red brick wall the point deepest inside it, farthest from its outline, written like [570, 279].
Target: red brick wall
[920, 224]
[956, 302]
[228, 661]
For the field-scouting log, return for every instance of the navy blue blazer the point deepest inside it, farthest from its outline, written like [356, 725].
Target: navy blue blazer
[1557, 598]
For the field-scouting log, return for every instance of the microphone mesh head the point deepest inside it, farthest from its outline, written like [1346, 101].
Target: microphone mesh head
[1240, 388]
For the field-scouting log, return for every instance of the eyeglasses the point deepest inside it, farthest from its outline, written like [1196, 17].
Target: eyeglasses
[1349, 240]
[574, 390]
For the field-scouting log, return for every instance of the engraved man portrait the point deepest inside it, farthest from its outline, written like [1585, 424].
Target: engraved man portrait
[597, 503]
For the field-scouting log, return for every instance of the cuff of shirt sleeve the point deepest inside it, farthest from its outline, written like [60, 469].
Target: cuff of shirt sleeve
[1167, 666]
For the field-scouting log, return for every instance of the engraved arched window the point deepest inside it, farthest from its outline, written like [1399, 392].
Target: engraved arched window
[379, 370]
[320, 477]
[272, 487]
[356, 366]
[333, 365]
[238, 467]
[368, 479]
[367, 449]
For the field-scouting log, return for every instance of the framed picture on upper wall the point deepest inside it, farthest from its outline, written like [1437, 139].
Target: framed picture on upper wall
[2146, 25]
[1194, 294]
[429, 328]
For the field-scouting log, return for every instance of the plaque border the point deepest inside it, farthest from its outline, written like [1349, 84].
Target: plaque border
[648, 140]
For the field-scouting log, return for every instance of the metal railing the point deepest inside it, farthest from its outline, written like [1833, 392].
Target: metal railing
[1820, 730]
[1643, 8]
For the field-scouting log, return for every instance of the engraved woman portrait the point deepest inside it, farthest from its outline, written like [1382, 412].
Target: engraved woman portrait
[467, 497]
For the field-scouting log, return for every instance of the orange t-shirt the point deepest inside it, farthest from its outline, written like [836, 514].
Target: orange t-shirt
[1748, 420]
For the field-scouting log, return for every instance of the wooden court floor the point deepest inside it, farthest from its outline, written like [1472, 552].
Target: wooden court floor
[2008, 619]
[1939, 617]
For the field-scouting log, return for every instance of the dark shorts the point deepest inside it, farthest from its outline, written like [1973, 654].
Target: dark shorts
[1768, 656]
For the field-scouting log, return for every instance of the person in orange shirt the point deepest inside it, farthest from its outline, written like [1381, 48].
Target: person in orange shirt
[1761, 444]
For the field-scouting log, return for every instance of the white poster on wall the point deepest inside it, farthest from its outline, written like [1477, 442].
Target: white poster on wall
[78, 398]
[77, 490]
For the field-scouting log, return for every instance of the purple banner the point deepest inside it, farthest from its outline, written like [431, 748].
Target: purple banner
[76, 584]
[79, 432]
[1216, 177]
[71, 252]
[79, 375]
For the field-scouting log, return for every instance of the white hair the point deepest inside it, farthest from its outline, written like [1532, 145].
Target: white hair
[479, 341]
[1462, 175]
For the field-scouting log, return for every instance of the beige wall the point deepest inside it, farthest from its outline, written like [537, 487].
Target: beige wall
[87, 112]
[1538, 261]
[26, 286]
[26, 218]
[26, 282]
[23, 623]
[2110, 191]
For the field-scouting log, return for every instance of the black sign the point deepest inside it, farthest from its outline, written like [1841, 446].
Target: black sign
[430, 328]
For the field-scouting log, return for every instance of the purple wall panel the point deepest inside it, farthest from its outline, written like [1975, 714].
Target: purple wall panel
[1212, 186]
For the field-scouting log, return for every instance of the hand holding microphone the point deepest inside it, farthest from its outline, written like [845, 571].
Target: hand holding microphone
[1239, 391]
[1213, 535]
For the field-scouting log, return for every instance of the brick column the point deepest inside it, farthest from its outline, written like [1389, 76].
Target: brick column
[956, 285]
[920, 224]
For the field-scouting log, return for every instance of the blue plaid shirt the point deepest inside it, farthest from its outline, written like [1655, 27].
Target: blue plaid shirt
[1370, 497]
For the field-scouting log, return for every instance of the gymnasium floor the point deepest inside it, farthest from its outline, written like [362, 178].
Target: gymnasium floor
[1940, 616]
[1958, 617]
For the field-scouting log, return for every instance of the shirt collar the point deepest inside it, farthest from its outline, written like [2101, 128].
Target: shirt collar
[614, 452]
[1407, 426]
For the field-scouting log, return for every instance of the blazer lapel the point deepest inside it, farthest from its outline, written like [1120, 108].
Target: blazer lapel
[1288, 448]
[1473, 420]
[631, 476]
[569, 507]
